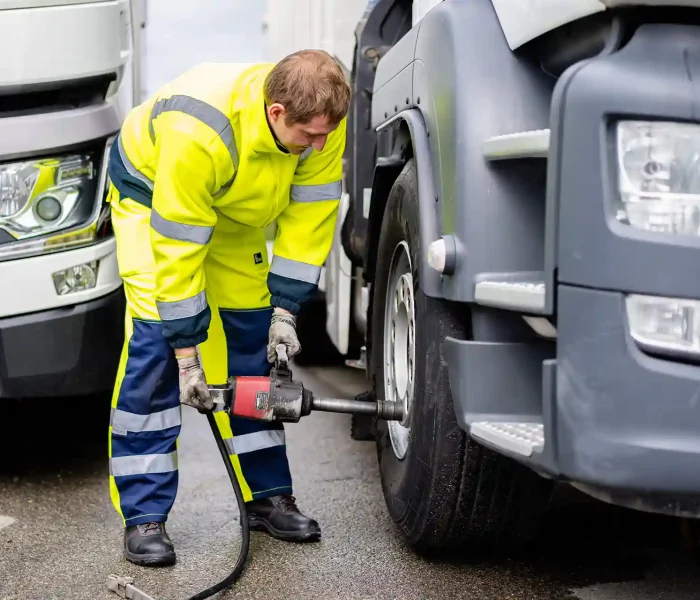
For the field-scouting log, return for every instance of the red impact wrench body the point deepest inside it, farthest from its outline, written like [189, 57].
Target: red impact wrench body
[280, 398]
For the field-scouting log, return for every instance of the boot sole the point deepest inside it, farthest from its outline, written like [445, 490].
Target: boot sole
[163, 560]
[308, 535]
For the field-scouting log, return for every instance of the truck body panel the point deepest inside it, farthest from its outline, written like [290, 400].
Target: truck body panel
[84, 40]
[459, 121]
[62, 312]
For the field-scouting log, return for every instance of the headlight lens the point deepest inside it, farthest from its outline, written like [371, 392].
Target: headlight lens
[51, 204]
[41, 196]
[670, 325]
[659, 176]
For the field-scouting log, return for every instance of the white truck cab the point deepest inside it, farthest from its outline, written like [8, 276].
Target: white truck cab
[70, 73]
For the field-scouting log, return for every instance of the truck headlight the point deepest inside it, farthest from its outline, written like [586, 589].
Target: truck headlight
[659, 176]
[666, 325]
[52, 204]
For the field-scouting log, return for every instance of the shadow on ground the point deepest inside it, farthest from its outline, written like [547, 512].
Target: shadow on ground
[53, 435]
[585, 542]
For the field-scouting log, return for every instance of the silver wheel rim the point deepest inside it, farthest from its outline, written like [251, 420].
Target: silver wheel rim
[399, 345]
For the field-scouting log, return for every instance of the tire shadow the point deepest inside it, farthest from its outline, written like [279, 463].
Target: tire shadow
[584, 542]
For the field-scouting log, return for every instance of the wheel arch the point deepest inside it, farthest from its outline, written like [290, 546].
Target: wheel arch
[410, 141]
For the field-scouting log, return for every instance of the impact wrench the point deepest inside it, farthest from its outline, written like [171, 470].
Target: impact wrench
[275, 398]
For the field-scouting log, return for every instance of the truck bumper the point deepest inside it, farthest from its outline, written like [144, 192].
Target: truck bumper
[68, 351]
[616, 421]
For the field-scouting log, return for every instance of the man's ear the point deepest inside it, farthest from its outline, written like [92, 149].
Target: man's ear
[276, 111]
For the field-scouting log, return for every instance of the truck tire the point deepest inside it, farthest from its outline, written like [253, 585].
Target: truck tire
[442, 489]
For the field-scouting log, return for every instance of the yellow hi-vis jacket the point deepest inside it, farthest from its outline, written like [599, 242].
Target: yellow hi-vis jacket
[201, 150]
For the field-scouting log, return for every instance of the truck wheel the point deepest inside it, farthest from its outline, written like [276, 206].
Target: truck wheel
[442, 489]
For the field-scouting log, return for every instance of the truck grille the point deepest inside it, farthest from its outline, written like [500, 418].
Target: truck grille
[54, 96]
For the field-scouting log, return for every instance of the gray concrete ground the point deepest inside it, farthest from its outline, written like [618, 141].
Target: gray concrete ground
[60, 537]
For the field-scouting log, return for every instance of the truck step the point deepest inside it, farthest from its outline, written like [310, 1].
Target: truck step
[523, 292]
[520, 438]
[525, 144]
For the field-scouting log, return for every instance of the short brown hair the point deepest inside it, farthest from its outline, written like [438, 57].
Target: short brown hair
[309, 83]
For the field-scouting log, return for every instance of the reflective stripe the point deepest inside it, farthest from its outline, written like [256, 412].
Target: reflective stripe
[123, 421]
[294, 269]
[305, 154]
[181, 309]
[206, 113]
[317, 193]
[224, 188]
[129, 166]
[144, 464]
[196, 234]
[250, 442]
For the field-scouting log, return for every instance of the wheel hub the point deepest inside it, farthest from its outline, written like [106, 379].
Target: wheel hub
[399, 345]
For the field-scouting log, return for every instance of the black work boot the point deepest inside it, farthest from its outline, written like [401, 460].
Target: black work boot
[280, 517]
[148, 545]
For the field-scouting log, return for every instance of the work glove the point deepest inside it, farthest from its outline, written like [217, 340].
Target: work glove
[282, 331]
[193, 385]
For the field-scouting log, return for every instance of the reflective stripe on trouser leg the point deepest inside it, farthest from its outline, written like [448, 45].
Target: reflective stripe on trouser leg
[259, 446]
[144, 427]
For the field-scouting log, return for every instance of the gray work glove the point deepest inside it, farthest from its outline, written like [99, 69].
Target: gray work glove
[282, 331]
[193, 385]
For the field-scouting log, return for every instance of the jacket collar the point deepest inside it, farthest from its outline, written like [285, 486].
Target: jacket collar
[258, 129]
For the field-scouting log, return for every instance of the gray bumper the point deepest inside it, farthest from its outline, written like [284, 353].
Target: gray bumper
[614, 418]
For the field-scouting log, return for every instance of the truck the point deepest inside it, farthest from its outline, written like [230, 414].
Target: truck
[514, 256]
[71, 71]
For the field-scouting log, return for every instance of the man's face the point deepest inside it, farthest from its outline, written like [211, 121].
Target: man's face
[300, 136]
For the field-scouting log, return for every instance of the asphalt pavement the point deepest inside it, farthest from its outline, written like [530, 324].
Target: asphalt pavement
[60, 537]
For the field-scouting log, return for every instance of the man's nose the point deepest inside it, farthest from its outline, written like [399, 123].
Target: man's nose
[319, 143]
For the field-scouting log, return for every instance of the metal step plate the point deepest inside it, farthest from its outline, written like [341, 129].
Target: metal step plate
[525, 144]
[521, 438]
[524, 296]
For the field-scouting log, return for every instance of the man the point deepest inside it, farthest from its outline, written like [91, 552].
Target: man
[197, 172]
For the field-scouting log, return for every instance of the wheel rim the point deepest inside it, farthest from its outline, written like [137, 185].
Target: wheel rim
[399, 345]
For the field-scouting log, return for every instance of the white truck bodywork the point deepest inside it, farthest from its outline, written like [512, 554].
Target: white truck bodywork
[50, 46]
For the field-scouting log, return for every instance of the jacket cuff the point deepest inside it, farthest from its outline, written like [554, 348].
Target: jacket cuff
[285, 303]
[187, 331]
[188, 341]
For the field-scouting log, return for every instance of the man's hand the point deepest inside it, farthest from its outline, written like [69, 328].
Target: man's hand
[282, 331]
[193, 385]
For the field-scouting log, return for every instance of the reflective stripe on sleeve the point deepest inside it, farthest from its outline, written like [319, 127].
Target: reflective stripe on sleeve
[305, 154]
[196, 234]
[143, 464]
[182, 309]
[294, 269]
[123, 421]
[251, 442]
[129, 166]
[317, 193]
[204, 112]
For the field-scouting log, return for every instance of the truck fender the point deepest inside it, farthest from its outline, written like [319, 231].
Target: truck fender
[413, 131]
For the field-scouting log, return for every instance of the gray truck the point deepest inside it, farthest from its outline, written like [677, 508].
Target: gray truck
[521, 216]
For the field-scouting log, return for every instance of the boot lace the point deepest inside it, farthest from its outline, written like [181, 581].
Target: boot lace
[148, 527]
[287, 502]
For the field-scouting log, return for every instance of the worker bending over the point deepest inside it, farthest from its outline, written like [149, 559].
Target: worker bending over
[197, 172]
